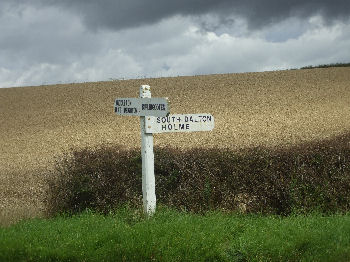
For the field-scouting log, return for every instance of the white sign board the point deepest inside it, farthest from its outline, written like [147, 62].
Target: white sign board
[141, 106]
[179, 123]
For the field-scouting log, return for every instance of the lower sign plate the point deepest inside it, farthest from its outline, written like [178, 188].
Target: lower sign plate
[179, 123]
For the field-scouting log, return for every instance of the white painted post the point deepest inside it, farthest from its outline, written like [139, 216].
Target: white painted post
[148, 179]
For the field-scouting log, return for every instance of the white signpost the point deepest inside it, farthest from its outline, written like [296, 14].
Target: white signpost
[155, 118]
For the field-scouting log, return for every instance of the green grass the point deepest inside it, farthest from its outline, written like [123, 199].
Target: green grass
[175, 236]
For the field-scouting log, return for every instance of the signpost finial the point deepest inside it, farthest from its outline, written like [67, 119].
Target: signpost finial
[145, 91]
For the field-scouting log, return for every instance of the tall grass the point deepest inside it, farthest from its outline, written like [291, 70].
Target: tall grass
[177, 236]
[314, 176]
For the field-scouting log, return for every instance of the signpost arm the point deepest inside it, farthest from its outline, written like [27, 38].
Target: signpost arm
[148, 179]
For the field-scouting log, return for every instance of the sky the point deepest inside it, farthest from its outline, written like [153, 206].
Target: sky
[66, 41]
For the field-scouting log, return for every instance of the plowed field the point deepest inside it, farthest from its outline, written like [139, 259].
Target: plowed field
[272, 109]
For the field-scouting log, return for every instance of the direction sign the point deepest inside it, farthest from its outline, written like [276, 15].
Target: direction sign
[141, 106]
[179, 123]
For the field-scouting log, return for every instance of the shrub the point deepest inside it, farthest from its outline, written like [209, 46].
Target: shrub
[94, 178]
[304, 178]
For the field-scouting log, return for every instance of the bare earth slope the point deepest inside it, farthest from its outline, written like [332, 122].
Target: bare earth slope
[270, 108]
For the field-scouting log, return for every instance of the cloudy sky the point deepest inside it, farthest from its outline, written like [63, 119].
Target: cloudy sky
[63, 41]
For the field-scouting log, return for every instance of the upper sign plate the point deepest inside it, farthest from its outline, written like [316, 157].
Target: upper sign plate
[141, 106]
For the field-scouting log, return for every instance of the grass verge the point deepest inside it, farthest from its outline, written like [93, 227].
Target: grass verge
[171, 235]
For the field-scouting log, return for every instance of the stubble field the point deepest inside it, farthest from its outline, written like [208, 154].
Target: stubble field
[274, 109]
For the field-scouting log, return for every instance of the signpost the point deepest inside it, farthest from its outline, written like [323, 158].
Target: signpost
[148, 179]
[155, 118]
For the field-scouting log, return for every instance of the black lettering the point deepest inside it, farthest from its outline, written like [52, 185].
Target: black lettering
[170, 126]
[153, 107]
[164, 119]
[158, 120]
[122, 102]
[182, 126]
[187, 126]
[163, 127]
[130, 110]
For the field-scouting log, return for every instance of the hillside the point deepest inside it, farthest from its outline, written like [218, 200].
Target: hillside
[279, 108]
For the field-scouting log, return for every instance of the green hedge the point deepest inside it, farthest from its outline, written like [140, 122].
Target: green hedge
[305, 178]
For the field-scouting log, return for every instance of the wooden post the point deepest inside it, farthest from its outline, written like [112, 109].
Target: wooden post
[148, 179]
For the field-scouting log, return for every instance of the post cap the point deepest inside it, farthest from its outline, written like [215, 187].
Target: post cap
[145, 91]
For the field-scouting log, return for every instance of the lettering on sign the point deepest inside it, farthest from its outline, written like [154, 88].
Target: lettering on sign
[180, 123]
[122, 102]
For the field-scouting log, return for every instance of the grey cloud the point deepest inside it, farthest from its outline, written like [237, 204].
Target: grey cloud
[122, 14]
[51, 41]
[30, 36]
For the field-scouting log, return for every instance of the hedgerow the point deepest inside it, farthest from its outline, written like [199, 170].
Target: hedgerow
[313, 176]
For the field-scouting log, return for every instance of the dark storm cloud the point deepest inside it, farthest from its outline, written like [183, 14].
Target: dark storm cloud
[121, 14]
